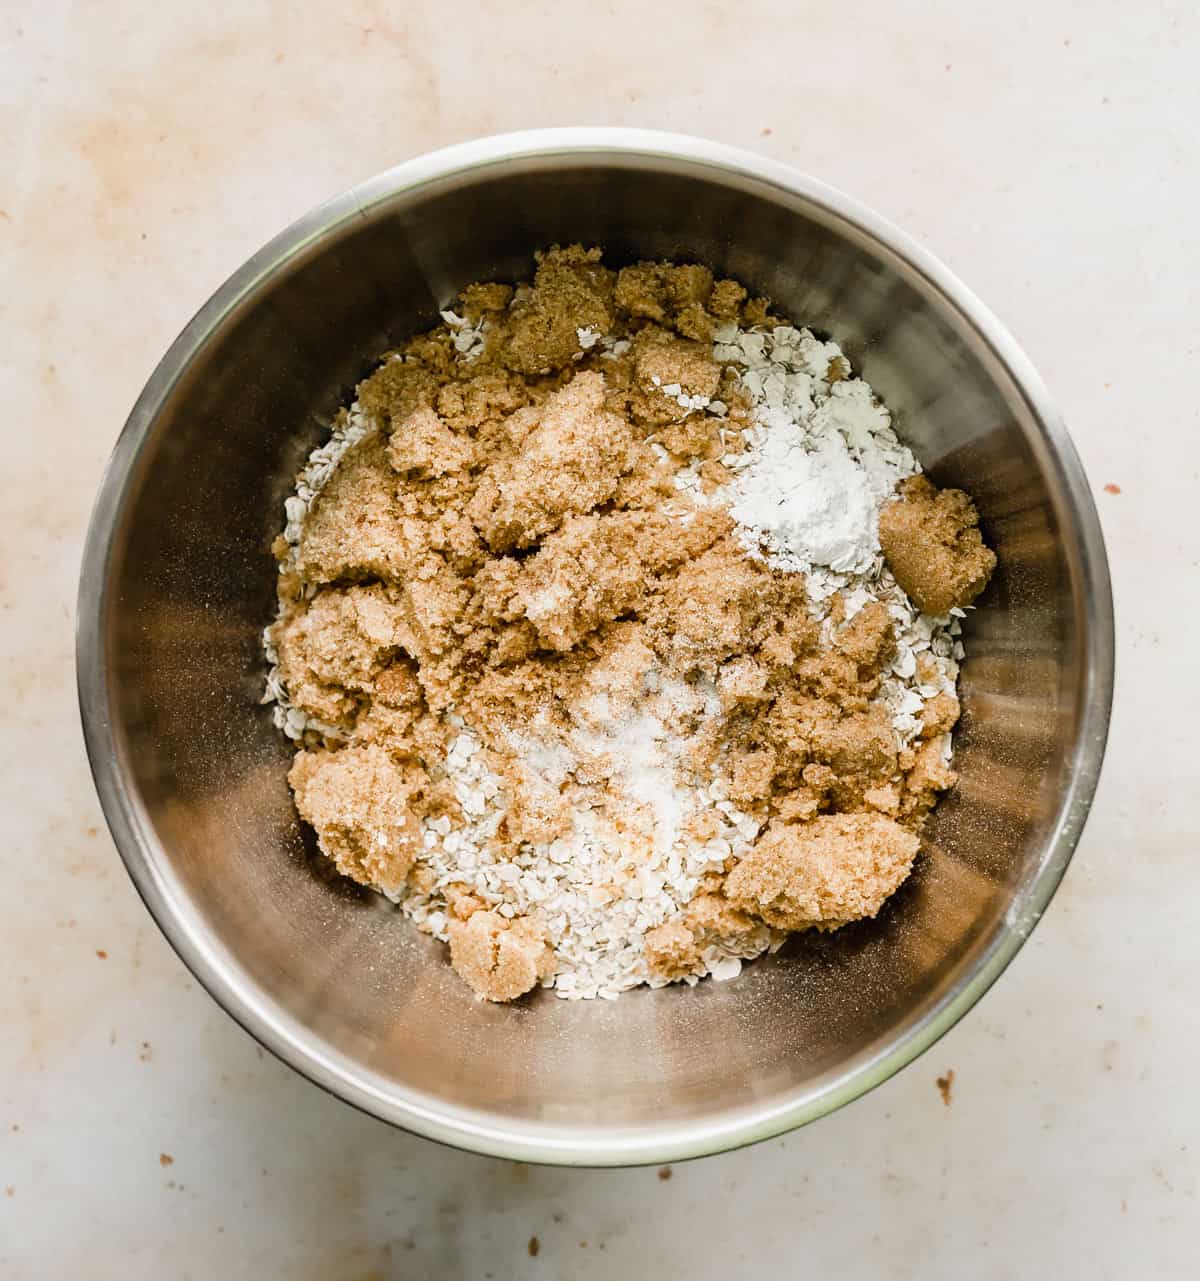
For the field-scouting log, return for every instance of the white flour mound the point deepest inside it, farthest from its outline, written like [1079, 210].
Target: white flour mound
[810, 503]
[815, 465]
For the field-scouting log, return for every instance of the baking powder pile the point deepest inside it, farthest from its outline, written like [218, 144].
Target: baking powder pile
[590, 639]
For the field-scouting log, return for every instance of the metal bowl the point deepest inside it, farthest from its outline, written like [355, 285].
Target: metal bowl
[178, 581]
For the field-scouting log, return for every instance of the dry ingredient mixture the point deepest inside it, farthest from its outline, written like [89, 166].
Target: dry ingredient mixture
[618, 632]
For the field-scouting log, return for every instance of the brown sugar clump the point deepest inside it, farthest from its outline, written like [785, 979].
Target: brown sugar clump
[569, 463]
[663, 361]
[358, 799]
[571, 291]
[537, 811]
[675, 949]
[671, 950]
[931, 541]
[337, 646]
[712, 917]
[861, 746]
[927, 777]
[423, 445]
[483, 400]
[588, 573]
[709, 606]
[479, 299]
[684, 298]
[354, 529]
[940, 715]
[396, 716]
[679, 297]
[659, 290]
[499, 958]
[432, 598]
[398, 388]
[758, 312]
[727, 299]
[838, 868]
[869, 639]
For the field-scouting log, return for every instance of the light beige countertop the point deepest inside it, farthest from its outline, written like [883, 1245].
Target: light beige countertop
[1048, 152]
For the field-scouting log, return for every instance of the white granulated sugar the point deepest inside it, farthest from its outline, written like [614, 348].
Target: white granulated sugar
[808, 478]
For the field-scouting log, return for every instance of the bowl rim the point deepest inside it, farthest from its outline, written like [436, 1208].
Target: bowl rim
[218, 970]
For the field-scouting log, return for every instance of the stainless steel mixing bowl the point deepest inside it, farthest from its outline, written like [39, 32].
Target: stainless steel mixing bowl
[177, 583]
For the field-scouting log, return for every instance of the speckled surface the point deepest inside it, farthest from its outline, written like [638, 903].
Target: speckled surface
[1049, 157]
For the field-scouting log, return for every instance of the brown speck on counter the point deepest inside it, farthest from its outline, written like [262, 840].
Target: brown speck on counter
[665, 1172]
[10, 1191]
[767, 132]
[102, 954]
[165, 1159]
[534, 1246]
[945, 1085]
[1110, 488]
[146, 1053]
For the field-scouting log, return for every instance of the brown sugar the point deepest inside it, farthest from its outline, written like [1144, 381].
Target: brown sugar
[354, 529]
[587, 573]
[671, 950]
[504, 570]
[931, 541]
[925, 779]
[499, 958]
[568, 462]
[359, 800]
[571, 291]
[677, 947]
[424, 446]
[939, 715]
[333, 650]
[661, 361]
[823, 874]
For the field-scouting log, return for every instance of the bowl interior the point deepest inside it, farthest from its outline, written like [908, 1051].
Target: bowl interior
[330, 975]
